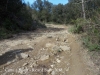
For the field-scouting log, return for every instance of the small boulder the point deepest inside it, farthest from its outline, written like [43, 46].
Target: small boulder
[53, 73]
[44, 57]
[24, 55]
[20, 70]
[58, 61]
[56, 49]
[49, 71]
[49, 36]
[48, 45]
[52, 66]
[1, 54]
[65, 48]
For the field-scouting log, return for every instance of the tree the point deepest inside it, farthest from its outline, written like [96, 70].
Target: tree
[83, 9]
[57, 13]
[42, 10]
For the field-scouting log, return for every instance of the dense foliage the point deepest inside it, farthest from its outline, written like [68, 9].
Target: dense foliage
[15, 16]
[45, 11]
[90, 25]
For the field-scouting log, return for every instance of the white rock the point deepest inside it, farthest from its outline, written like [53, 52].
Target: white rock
[49, 71]
[1, 54]
[58, 61]
[57, 39]
[65, 48]
[48, 45]
[53, 73]
[67, 32]
[20, 71]
[9, 62]
[52, 66]
[66, 40]
[56, 49]
[49, 36]
[33, 65]
[43, 48]
[44, 57]
[25, 64]
[24, 55]
[23, 70]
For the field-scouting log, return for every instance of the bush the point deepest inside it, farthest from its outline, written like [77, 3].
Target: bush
[78, 25]
[92, 46]
[78, 29]
[8, 24]
[4, 33]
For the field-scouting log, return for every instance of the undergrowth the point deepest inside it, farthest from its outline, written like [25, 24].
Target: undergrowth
[92, 39]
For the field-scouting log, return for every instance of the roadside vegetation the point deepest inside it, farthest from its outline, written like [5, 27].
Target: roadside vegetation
[90, 33]
[90, 25]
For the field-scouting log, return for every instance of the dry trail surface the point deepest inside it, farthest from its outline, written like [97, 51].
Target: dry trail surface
[48, 51]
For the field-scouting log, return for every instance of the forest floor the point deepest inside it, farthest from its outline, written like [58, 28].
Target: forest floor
[48, 51]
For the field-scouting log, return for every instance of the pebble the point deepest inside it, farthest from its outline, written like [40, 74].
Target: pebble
[25, 64]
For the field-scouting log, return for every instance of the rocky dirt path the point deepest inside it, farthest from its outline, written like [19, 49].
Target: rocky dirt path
[51, 51]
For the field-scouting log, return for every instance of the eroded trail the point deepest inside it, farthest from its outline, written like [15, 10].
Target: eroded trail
[51, 51]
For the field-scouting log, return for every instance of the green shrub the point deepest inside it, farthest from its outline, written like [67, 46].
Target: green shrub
[76, 29]
[8, 24]
[92, 46]
[3, 33]
[78, 25]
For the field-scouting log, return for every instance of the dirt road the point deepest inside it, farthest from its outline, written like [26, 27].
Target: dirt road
[50, 51]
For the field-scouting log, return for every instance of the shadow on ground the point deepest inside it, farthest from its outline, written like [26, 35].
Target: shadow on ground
[49, 29]
[11, 55]
[37, 33]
